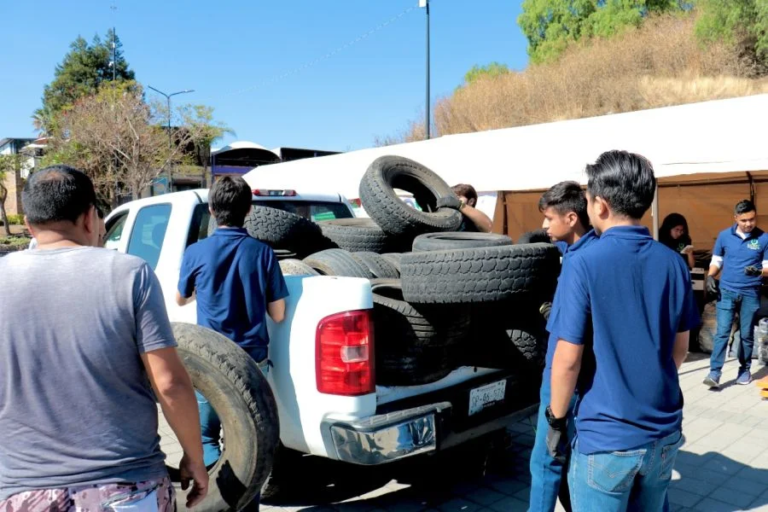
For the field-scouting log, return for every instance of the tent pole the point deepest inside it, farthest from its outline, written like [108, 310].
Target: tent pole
[655, 213]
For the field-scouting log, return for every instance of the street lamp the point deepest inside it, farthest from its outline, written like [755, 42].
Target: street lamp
[170, 141]
[425, 4]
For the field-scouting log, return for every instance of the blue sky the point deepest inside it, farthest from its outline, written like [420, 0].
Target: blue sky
[247, 59]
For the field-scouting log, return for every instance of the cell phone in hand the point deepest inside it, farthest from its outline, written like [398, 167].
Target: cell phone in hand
[686, 249]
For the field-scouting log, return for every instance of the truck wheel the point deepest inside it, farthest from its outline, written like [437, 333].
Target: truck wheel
[284, 230]
[488, 274]
[281, 480]
[337, 262]
[538, 236]
[458, 240]
[377, 265]
[377, 193]
[358, 235]
[242, 398]
[293, 267]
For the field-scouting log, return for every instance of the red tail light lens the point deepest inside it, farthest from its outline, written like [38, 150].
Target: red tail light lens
[345, 363]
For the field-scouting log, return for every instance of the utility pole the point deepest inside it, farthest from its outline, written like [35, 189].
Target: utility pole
[170, 138]
[427, 121]
[113, 8]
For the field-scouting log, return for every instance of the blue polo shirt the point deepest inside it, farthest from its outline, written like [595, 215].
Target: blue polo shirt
[234, 277]
[636, 295]
[738, 253]
[563, 246]
[568, 250]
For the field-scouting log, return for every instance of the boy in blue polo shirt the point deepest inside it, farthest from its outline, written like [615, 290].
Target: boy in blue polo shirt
[565, 219]
[741, 254]
[634, 296]
[236, 281]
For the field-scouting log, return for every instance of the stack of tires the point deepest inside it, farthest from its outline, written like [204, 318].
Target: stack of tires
[442, 298]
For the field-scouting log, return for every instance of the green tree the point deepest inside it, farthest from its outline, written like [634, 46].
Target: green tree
[742, 23]
[491, 70]
[552, 25]
[198, 119]
[84, 69]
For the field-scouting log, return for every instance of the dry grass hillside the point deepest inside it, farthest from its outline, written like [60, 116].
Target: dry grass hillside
[660, 64]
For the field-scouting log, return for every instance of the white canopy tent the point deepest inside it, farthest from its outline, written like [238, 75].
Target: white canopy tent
[710, 137]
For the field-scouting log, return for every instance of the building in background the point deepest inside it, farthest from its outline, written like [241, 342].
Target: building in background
[242, 157]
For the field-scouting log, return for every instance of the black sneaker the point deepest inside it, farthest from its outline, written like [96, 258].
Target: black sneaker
[712, 380]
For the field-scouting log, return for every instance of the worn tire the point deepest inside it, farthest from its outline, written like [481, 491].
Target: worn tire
[538, 236]
[293, 267]
[708, 328]
[490, 274]
[394, 258]
[242, 398]
[337, 262]
[458, 240]
[379, 266]
[420, 366]
[415, 344]
[360, 235]
[377, 193]
[284, 230]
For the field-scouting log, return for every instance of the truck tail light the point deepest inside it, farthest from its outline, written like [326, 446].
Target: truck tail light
[345, 364]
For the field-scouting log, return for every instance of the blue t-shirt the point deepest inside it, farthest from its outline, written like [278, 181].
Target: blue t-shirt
[738, 253]
[636, 295]
[234, 277]
[585, 241]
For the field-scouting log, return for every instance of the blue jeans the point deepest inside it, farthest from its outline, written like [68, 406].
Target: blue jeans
[547, 482]
[634, 480]
[727, 305]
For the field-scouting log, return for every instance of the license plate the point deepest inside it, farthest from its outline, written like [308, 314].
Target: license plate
[480, 398]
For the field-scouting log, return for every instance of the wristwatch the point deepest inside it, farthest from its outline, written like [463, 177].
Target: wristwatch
[555, 423]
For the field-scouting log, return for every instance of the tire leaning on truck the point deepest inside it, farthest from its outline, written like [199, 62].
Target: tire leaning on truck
[235, 387]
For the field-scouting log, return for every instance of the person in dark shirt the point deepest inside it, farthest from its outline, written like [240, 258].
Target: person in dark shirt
[674, 234]
[564, 207]
[740, 259]
[628, 302]
[236, 282]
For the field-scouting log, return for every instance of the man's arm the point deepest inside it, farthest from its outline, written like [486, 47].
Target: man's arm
[174, 391]
[680, 351]
[183, 301]
[276, 310]
[717, 258]
[566, 366]
[478, 218]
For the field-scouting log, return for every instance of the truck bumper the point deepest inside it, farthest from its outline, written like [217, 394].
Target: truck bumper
[428, 423]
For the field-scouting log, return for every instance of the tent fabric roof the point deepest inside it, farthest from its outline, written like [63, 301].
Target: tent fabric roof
[710, 137]
[241, 144]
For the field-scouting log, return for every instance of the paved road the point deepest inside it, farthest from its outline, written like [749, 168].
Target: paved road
[722, 468]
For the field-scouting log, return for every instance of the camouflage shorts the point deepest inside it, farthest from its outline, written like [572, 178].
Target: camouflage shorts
[92, 498]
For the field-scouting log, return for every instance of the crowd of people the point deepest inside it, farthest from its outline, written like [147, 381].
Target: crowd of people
[610, 418]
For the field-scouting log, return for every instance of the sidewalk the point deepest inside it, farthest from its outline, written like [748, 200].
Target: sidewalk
[722, 468]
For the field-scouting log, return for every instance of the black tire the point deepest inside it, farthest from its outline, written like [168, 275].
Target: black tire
[293, 267]
[360, 235]
[535, 237]
[419, 366]
[242, 398]
[284, 230]
[337, 262]
[491, 274]
[414, 344]
[281, 481]
[394, 258]
[377, 193]
[458, 240]
[380, 267]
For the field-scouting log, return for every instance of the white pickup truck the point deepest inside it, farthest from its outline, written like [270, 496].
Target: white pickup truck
[327, 407]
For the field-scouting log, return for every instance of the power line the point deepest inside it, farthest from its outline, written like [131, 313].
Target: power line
[332, 53]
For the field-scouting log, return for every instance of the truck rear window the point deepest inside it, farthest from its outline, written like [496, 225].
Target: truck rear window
[313, 210]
